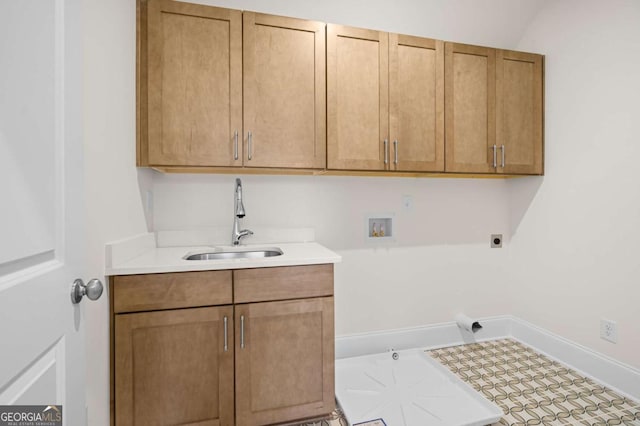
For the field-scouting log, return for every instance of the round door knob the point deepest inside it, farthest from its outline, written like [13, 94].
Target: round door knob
[93, 290]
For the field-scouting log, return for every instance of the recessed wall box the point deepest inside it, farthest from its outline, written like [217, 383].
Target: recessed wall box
[380, 227]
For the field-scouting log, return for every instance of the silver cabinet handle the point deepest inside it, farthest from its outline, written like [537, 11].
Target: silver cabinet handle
[502, 150]
[242, 331]
[395, 147]
[495, 157]
[226, 335]
[386, 151]
[235, 145]
[249, 145]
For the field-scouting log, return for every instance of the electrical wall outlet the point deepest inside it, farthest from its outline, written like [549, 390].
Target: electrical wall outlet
[407, 202]
[609, 330]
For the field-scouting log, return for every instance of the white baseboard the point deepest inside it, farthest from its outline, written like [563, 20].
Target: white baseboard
[620, 377]
[427, 337]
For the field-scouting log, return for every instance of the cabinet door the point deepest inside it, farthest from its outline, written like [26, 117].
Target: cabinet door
[284, 360]
[172, 367]
[284, 92]
[416, 103]
[519, 112]
[357, 98]
[470, 108]
[192, 85]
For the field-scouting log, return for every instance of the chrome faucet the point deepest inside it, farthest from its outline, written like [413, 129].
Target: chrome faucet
[239, 213]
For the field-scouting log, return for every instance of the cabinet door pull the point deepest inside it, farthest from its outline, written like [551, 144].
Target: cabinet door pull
[395, 148]
[226, 336]
[386, 151]
[235, 145]
[495, 157]
[249, 146]
[502, 150]
[242, 331]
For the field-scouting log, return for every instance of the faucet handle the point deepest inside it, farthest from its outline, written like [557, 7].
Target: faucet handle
[238, 236]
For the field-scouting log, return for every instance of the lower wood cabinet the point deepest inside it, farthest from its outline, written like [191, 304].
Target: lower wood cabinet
[284, 360]
[176, 362]
[172, 368]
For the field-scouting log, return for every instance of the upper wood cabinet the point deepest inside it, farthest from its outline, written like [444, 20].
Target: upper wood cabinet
[225, 89]
[385, 96]
[190, 82]
[357, 98]
[200, 104]
[494, 108]
[416, 103]
[470, 108]
[284, 92]
[519, 112]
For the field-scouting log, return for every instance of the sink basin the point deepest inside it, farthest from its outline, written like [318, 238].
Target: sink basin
[236, 254]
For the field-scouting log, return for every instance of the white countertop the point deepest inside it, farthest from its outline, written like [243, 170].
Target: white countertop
[170, 259]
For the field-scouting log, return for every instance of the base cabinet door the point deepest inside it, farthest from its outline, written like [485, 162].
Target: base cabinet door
[175, 367]
[284, 361]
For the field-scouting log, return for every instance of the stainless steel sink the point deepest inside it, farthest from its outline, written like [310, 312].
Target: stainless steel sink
[235, 254]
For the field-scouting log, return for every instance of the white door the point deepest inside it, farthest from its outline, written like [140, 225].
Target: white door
[41, 206]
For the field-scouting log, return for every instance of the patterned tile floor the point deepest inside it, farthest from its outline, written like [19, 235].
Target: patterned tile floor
[336, 419]
[530, 388]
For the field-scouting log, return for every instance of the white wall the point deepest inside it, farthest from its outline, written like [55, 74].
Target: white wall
[441, 261]
[497, 23]
[113, 204]
[574, 253]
